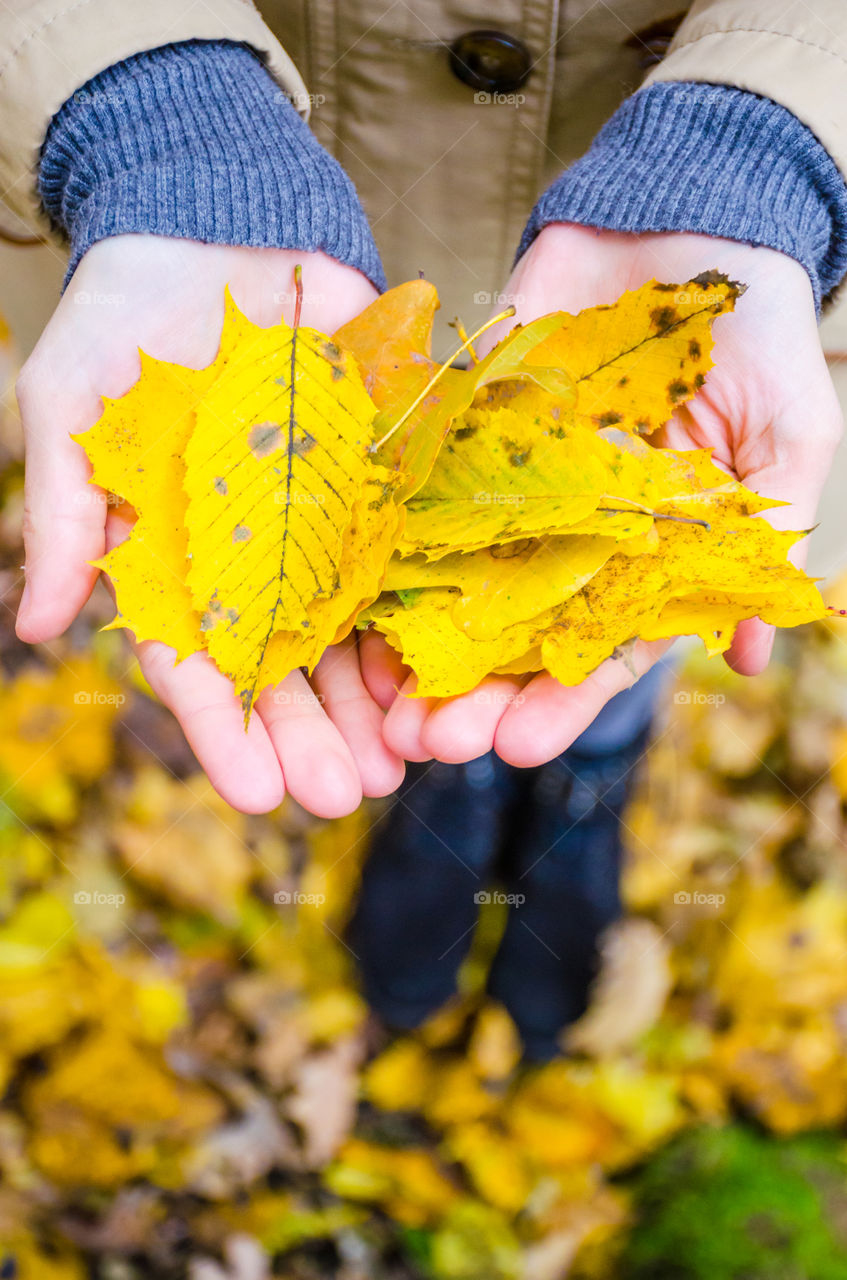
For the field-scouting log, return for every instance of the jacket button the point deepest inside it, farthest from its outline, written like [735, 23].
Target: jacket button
[490, 60]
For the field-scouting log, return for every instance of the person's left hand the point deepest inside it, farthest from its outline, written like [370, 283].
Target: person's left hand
[768, 410]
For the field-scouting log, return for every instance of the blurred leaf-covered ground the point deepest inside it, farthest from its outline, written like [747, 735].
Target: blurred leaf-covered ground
[192, 1086]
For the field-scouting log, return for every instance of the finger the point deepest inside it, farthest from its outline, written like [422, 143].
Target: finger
[796, 474]
[338, 681]
[463, 728]
[383, 669]
[317, 765]
[64, 516]
[405, 720]
[242, 766]
[751, 648]
[552, 715]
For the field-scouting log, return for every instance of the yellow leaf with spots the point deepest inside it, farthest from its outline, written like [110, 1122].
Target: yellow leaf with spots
[502, 475]
[507, 582]
[263, 523]
[636, 361]
[278, 458]
[717, 575]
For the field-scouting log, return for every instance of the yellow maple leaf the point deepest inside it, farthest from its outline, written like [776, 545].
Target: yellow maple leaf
[263, 523]
[276, 462]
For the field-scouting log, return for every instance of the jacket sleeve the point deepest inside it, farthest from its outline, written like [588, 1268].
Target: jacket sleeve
[49, 48]
[794, 54]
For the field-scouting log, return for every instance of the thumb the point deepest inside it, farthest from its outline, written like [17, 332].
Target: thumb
[64, 516]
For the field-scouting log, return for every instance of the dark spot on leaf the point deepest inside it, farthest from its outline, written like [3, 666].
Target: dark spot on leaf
[232, 614]
[212, 614]
[710, 278]
[607, 419]
[644, 425]
[337, 373]
[281, 381]
[665, 288]
[331, 351]
[302, 442]
[241, 533]
[678, 391]
[623, 381]
[506, 550]
[264, 438]
[662, 318]
[464, 433]
[699, 379]
[221, 486]
[694, 349]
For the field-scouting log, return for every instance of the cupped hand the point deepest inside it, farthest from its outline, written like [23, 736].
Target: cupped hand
[768, 410]
[321, 740]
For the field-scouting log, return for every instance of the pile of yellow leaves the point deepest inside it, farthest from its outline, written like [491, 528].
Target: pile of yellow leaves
[190, 1071]
[509, 517]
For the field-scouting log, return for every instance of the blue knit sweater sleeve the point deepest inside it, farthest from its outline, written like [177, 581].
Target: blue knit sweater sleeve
[197, 140]
[710, 159]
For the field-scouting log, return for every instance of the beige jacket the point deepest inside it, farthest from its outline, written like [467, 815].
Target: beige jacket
[446, 179]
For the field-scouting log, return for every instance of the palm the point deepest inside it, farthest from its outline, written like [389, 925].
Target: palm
[768, 411]
[166, 296]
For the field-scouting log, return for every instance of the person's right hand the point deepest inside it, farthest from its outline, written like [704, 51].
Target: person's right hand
[165, 296]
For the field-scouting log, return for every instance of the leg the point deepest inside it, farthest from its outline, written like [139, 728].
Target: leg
[565, 853]
[432, 851]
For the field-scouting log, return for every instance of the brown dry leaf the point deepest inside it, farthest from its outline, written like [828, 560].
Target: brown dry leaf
[630, 993]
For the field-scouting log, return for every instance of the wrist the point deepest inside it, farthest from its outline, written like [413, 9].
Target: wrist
[709, 160]
[197, 141]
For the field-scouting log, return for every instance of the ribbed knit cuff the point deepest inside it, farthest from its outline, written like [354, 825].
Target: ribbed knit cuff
[709, 159]
[196, 140]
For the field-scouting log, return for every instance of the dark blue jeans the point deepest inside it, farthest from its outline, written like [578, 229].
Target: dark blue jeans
[547, 838]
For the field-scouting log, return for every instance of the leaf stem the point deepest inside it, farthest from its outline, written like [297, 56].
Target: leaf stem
[503, 315]
[638, 509]
[463, 334]
[298, 290]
